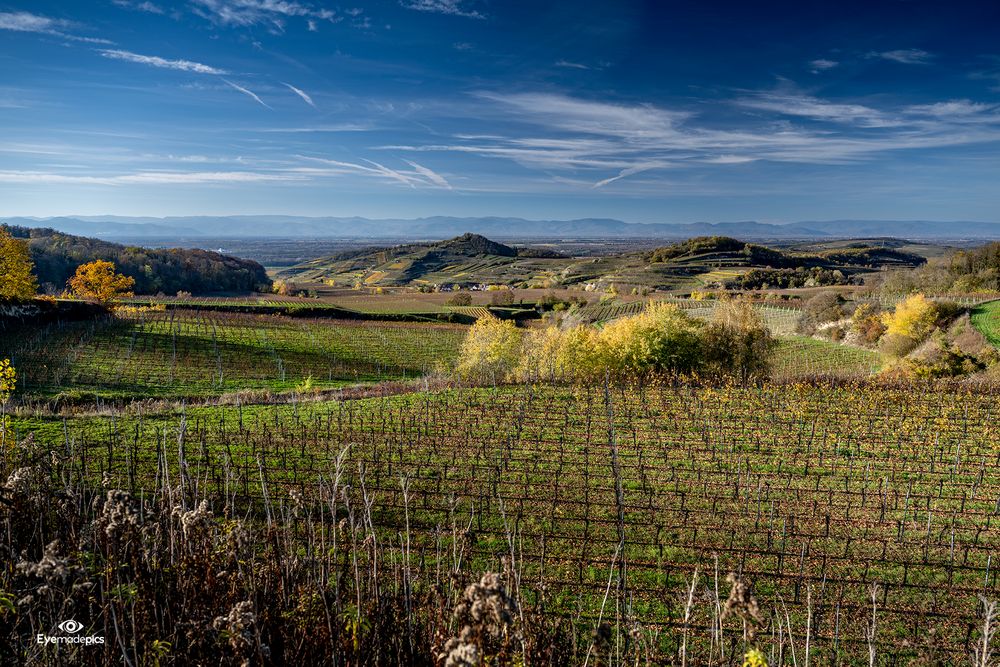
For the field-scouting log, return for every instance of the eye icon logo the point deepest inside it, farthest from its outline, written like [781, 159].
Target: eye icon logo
[70, 626]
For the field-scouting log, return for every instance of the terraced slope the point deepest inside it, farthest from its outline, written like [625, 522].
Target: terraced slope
[471, 259]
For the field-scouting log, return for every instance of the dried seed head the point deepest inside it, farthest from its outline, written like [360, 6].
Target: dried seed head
[50, 568]
[194, 520]
[118, 515]
[486, 605]
[297, 502]
[22, 480]
[461, 654]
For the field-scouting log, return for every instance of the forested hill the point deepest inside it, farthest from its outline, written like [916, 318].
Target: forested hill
[56, 256]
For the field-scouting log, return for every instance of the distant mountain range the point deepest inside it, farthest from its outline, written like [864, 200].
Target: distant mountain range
[437, 227]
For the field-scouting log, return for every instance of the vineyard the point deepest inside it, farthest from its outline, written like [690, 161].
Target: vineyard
[861, 516]
[185, 353]
[610, 310]
[800, 356]
[780, 320]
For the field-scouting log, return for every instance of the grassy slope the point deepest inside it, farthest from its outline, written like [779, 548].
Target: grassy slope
[986, 318]
[187, 353]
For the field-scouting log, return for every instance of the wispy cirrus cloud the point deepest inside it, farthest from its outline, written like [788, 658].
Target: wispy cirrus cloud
[249, 93]
[139, 6]
[419, 176]
[44, 25]
[904, 56]
[335, 128]
[568, 138]
[272, 13]
[592, 117]
[821, 65]
[145, 177]
[301, 93]
[162, 63]
[432, 176]
[951, 108]
[729, 159]
[625, 173]
[450, 7]
[817, 109]
[571, 65]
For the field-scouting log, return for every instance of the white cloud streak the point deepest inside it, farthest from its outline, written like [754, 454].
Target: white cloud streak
[811, 107]
[432, 176]
[822, 64]
[244, 13]
[569, 138]
[951, 108]
[420, 176]
[249, 93]
[35, 23]
[301, 93]
[139, 6]
[905, 56]
[450, 7]
[146, 178]
[162, 63]
[625, 173]
[571, 65]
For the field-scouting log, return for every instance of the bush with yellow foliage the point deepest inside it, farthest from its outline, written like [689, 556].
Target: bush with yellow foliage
[553, 354]
[913, 320]
[661, 339]
[490, 351]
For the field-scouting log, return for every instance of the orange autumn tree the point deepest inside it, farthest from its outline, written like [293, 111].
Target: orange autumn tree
[97, 280]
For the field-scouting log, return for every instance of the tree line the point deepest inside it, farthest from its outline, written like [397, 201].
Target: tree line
[56, 257]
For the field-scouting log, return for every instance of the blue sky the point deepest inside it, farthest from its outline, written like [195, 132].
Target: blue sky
[643, 111]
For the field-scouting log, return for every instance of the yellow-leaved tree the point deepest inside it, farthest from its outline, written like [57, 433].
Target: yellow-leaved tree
[490, 350]
[909, 324]
[17, 279]
[97, 280]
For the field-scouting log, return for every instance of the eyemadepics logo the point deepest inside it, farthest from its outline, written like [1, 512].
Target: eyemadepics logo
[70, 627]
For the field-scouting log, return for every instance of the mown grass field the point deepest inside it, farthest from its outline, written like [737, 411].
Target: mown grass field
[609, 504]
[182, 353]
[986, 318]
